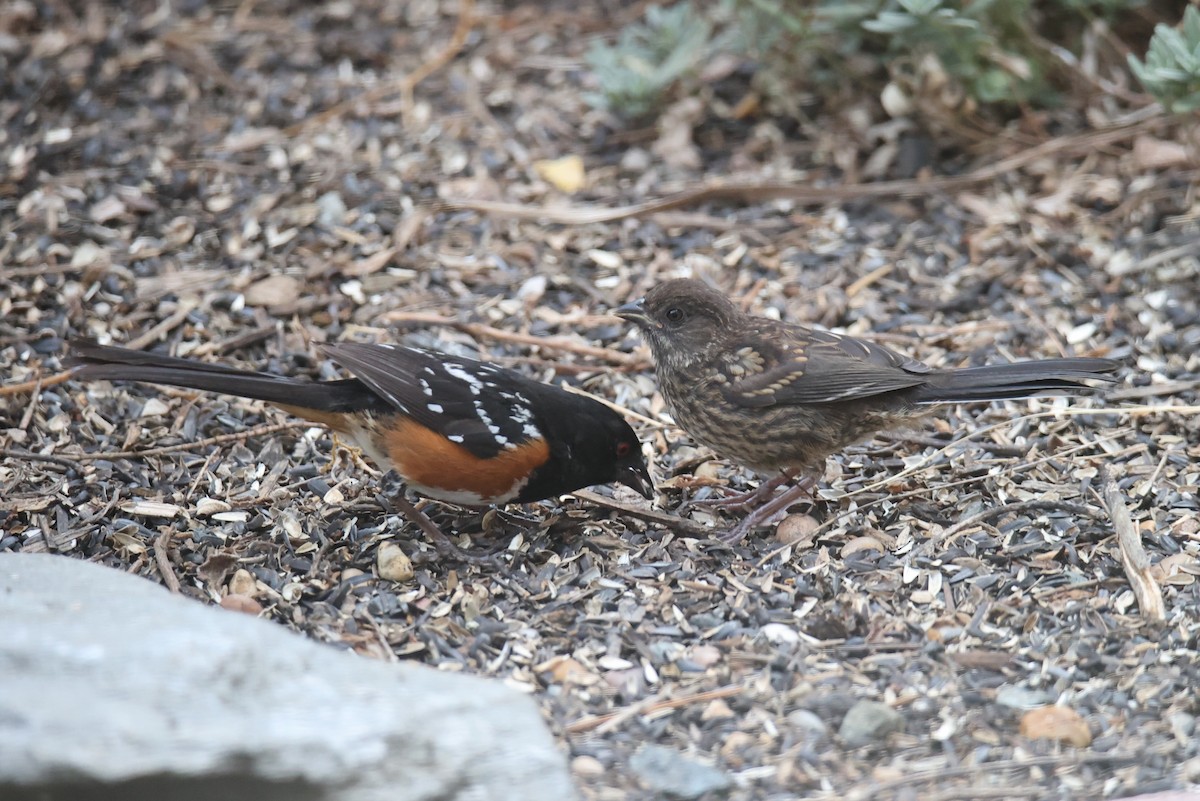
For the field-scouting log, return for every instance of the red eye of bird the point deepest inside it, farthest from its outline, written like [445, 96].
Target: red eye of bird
[623, 449]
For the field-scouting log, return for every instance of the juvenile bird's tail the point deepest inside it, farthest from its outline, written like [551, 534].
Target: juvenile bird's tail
[95, 362]
[1016, 380]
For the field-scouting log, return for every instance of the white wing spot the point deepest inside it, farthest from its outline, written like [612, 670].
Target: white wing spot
[455, 438]
[436, 408]
[465, 376]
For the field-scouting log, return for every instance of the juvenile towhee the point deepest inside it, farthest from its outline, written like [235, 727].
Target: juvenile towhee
[778, 397]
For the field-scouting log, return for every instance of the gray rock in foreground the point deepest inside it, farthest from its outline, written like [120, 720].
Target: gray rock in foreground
[111, 687]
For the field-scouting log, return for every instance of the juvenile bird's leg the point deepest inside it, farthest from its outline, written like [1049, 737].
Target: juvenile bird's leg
[767, 512]
[745, 500]
[393, 495]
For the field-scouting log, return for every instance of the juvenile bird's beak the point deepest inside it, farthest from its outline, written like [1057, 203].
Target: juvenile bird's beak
[637, 478]
[635, 313]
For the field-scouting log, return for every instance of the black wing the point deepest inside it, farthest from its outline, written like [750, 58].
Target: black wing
[480, 406]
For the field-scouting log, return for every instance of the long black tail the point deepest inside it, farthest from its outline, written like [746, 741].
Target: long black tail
[95, 362]
[1016, 380]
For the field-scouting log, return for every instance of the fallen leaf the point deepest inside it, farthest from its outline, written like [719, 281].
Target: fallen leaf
[217, 567]
[861, 544]
[567, 670]
[211, 506]
[717, 709]
[674, 144]
[1150, 153]
[274, 290]
[705, 655]
[1056, 723]
[565, 174]
[369, 265]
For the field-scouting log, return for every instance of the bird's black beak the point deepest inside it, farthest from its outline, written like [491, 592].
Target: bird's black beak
[637, 478]
[635, 313]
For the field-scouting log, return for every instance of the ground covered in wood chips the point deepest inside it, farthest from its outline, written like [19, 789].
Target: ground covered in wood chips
[240, 182]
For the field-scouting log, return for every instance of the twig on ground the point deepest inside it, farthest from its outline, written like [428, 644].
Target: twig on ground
[36, 385]
[603, 723]
[162, 560]
[616, 407]
[151, 335]
[673, 522]
[757, 192]
[1134, 559]
[31, 406]
[481, 330]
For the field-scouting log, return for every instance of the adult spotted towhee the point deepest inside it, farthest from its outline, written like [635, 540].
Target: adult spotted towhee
[453, 429]
[779, 398]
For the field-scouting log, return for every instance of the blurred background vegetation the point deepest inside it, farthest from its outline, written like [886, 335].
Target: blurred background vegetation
[958, 68]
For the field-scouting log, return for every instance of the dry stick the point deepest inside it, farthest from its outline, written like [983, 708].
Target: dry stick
[1134, 559]
[162, 560]
[200, 474]
[752, 192]
[406, 85]
[1050, 592]
[481, 330]
[36, 385]
[61, 461]
[31, 406]
[1176, 253]
[151, 335]
[616, 407]
[663, 518]
[869, 278]
[612, 719]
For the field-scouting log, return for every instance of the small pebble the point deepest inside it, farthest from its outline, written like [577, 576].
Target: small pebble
[587, 767]
[243, 583]
[808, 721]
[665, 770]
[869, 722]
[1016, 697]
[795, 529]
[241, 603]
[393, 564]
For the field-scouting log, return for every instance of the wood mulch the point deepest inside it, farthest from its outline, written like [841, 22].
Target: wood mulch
[241, 181]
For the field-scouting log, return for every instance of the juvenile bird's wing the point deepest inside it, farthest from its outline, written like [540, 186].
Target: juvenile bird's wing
[778, 364]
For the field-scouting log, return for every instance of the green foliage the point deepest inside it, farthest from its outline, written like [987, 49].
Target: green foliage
[982, 44]
[648, 59]
[800, 43]
[988, 52]
[1171, 71]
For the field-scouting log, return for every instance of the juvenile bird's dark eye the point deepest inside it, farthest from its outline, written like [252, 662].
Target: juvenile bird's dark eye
[675, 315]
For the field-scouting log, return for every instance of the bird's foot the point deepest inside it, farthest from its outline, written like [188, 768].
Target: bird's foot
[768, 512]
[743, 501]
[392, 499]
